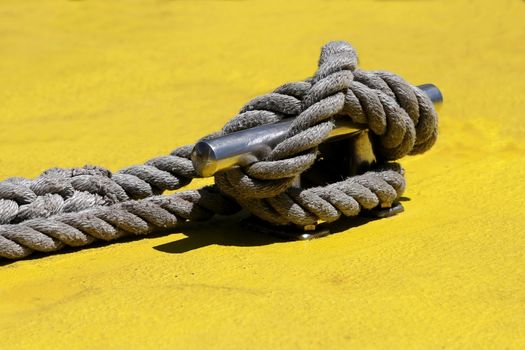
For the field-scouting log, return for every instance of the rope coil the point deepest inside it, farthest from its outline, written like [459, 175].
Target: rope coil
[74, 207]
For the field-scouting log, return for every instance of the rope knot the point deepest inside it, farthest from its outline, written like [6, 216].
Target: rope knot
[315, 102]
[401, 119]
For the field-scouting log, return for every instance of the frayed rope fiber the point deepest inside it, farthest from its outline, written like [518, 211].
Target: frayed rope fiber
[74, 207]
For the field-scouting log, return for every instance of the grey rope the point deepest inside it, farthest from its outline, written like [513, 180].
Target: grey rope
[152, 214]
[74, 207]
[60, 190]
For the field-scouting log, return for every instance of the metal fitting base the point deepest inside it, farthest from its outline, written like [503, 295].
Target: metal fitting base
[287, 232]
[296, 233]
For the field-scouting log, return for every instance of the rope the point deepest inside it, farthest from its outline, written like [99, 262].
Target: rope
[74, 207]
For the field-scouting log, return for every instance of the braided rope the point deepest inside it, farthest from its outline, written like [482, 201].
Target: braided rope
[74, 207]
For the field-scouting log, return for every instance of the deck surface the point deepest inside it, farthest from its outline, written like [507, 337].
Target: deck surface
[115, 83]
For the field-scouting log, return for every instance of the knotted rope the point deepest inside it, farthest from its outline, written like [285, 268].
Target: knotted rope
[74, 207]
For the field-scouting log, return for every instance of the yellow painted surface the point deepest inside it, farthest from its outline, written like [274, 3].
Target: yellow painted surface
[117, 82]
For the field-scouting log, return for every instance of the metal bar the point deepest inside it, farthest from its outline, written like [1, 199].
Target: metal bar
[247, 146]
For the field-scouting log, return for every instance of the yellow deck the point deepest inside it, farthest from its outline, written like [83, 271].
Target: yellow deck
[116, 83]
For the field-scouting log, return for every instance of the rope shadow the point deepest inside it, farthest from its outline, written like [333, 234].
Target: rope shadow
[225, 231]
[228, 233]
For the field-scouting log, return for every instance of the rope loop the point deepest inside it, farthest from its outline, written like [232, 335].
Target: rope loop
[400, 117]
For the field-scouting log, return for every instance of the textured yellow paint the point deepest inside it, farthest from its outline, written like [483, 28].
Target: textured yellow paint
[115, 83]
